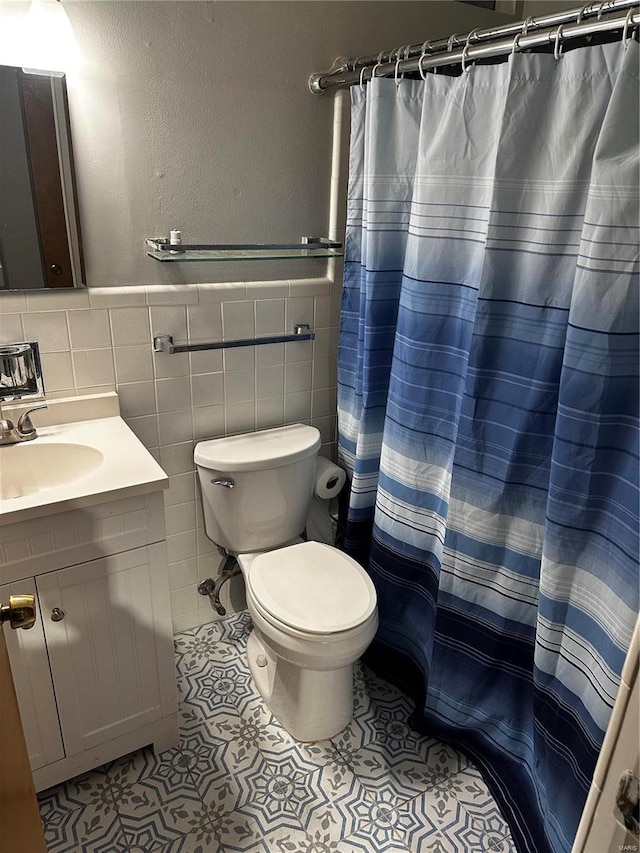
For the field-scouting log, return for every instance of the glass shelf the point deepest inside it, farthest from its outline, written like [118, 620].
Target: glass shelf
[159, 250]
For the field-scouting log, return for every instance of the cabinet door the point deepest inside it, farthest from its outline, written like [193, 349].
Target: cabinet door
[32, 679]
[104, 645]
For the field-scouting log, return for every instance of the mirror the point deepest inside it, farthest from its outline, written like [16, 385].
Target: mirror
[40, 241]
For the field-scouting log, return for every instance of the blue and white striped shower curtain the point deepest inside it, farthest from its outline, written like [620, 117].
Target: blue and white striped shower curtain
[488, 408]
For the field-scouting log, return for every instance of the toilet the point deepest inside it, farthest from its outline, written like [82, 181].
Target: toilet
[314, 609]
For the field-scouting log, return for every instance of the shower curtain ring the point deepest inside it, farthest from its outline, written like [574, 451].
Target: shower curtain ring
[516, 44]
[626, 41]
[361, 78]
[423, 73]
[525, 25]
[452, 38]
[601, 9]
[373, 70]
[465, 68]
[398, 61]
[581, 12]
[557, 49]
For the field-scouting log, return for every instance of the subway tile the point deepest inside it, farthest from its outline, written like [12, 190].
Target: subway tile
[297, 377]
[300, 310]
[181, 546]
[208, 422]
[89, 329]
[305, 287]
[186, 621]
[166, 366]
[322, 312]
[237, 320]
[323, 402]
[133, 364]
[184, 600]
[204, 322]
[207, 389]
[270, 381]
[146, 429]
[171, 294]
[11, 328]
[240, 358]
[177, 458]
[335, 309]
[137, 398]
[269, 354]
[130, 326]
[93, 367]
[116, 297]
[221, 292]
[206, 361]
[169, 320]
[298, 351]
[175, 427]
[324, 372]
[326, 343]
[58, 300]
[173, 395]
[204, 544]
[327, 427]
[57, 370]
[181, 490]
[297, 407]
[183, 573]
[13, 303]
[48, 329]
[267, 289]
[270, 316]
[269, 412]
[239, 386]
[239, 417]
[181, 518]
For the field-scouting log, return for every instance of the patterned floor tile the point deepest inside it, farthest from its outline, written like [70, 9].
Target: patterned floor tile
[91, 829]
[235, 775]
[268, 824]
[89, 789]
[151, 817]
[436, 822]
[239, 783]
[470, 790]
[194, 842]
[330, 803]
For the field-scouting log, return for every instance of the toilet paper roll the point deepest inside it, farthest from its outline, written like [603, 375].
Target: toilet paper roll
[329, 479]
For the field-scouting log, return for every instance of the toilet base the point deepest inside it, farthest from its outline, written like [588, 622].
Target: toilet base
[310, 704]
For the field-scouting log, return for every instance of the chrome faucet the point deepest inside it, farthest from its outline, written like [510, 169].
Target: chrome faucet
[24, 431]
[20, 378]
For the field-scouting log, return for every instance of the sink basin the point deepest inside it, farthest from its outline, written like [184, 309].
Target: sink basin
[32, 467]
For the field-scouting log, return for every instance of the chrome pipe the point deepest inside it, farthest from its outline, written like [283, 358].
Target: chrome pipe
[499, 42]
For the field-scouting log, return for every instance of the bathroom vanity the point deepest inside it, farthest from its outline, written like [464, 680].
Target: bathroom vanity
[82, 529]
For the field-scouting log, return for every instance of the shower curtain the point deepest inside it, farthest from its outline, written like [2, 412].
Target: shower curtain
[488, 408]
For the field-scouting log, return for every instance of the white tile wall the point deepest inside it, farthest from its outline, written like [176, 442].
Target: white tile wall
[101, 339]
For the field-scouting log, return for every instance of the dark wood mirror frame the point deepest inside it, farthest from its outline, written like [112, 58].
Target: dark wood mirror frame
[38, 162]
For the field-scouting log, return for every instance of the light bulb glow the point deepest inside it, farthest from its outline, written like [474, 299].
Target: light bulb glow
[49, 43]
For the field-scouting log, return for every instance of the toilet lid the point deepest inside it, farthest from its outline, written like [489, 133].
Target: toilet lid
[312, 587]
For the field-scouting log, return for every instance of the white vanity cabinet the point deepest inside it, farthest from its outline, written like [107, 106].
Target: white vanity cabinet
[95, 676]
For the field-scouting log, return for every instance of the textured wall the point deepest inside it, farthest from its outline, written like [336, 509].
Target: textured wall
[197, 116]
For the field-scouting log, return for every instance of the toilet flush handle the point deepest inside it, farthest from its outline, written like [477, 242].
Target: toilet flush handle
[227, 482]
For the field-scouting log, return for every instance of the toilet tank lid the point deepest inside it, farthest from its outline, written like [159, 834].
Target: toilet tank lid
[255, 451]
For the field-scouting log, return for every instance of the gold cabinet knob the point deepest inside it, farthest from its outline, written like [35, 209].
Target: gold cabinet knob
[20, 612]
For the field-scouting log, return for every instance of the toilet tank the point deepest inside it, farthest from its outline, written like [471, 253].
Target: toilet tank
[264, 486]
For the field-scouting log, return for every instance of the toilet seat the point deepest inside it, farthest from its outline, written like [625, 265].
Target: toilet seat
[312, 588]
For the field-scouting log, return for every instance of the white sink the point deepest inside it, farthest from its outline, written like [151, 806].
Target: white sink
[33, 467]
[84, 454]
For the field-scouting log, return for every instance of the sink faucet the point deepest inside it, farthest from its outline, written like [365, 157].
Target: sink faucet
[24, 431]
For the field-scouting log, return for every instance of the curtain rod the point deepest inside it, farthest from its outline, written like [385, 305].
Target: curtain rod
[482, 44]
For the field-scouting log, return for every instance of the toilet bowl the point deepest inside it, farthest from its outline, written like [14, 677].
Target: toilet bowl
[313, 607]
